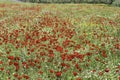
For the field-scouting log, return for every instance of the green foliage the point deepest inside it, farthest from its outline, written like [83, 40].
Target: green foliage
[70, 1]
[116, 3]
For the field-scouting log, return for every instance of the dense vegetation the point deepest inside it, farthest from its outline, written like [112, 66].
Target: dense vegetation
[52, 42]
[70, 1]
[114, 2]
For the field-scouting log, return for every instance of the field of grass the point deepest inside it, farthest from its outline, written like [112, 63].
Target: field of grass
[59, 42]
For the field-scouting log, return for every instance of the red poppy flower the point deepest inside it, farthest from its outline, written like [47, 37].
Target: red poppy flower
[19, 77]
[40, 72]
[118, 77]
[10, 62]
[107, 70]
[2, 69]
[117, 71]
[16, 63]
[117, 46]
[104, 54]
[119, 67]
[51, 55]
[93, 71]
[51, 71]
[11, 57]
[44, 38]
[75, 73]
[1, 62]
[88, 54]
[59, 49]
[17, 68]
[58, 74]
[17, 58]
[25, 76]
[15, 75]
[100, 73]
[63, 64]
[77, 66]
[78, 79]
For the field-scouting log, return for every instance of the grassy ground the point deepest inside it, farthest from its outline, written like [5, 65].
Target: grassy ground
[59, 42]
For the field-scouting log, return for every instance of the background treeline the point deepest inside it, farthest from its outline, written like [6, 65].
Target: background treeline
[114, 2]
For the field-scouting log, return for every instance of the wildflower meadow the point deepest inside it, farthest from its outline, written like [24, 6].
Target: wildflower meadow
[59, 41]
